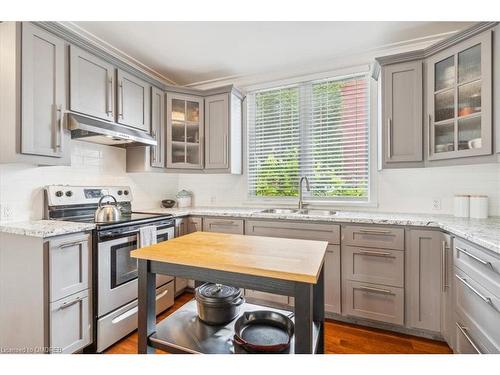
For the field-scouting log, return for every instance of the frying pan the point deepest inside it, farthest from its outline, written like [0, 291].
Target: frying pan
[263, 331]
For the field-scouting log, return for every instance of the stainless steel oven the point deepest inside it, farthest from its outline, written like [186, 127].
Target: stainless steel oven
[117, 276]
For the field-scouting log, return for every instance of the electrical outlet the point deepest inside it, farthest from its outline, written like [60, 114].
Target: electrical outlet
[5, 212]
[213, 199]
[436, 204]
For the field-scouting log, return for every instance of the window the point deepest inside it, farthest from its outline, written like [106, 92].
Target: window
[316, 129]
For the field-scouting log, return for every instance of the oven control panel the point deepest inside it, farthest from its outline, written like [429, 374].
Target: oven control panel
[61, 195]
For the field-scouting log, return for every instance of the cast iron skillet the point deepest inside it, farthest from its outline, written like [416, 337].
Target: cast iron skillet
[263, 331]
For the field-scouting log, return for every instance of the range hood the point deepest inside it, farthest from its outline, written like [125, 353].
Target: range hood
[89, 129]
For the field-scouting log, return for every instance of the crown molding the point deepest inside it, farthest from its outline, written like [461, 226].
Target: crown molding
[439, 46]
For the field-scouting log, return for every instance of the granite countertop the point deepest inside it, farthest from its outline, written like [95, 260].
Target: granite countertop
[485, 232]
[44, 228]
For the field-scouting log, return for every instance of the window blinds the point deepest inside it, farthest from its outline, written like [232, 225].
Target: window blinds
[314, 129]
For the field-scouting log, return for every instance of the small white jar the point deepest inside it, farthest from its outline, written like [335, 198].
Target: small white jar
[461, 205]
[478, 206]
[184, 199]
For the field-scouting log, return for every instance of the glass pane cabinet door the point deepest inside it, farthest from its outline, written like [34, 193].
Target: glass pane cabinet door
[185, 132]
[457, 112]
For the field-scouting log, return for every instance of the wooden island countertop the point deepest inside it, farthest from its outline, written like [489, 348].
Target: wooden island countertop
[279, 258]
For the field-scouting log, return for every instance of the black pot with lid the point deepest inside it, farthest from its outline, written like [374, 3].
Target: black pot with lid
[218, 304]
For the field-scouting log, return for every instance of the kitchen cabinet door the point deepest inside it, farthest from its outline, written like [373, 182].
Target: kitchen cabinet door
[133, 101]
[185, 131]
[69, 265]
[70, 323]
[424, 278]
[223, 225]
[447, 309]
[459, 99]
[217, 132]
[158, 127]
[332, 279]
[402, 131]
[91, 85]
[194, 224]
[43, 93]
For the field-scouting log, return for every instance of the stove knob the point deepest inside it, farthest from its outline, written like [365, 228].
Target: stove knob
[120, 192]
[59, 193]
[125, 192]
[69, 193]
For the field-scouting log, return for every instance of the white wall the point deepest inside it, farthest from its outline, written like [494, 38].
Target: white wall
[21, 186]
[401, 190]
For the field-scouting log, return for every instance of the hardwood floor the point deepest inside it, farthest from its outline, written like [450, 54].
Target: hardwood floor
[340, 338]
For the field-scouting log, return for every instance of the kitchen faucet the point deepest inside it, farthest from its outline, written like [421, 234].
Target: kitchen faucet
[301, 201]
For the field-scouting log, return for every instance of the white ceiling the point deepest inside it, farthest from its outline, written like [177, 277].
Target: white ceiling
[190, 52]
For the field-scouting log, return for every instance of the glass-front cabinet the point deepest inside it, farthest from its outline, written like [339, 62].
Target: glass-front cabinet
[459, 100]
[184, 131]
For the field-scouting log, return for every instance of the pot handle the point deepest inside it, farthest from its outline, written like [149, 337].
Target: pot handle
[105, 196]
[240, 301]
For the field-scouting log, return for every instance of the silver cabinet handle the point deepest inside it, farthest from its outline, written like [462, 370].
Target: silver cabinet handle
[110, 96]
[162, 294]
[444, 265]
[231, 222]
[429, 133]
[226, 149]
[374, 231]
[153, 148]
[469, 339]
[376, 290]
[68, 304]
[377, 254]
[120, 101]
[483, 262]
[476, 292]
[69, 244]
[59, 127]
[389, 138]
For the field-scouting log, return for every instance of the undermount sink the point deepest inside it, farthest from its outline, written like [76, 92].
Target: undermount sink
[305, 211]
[319, 212]
[279, 211]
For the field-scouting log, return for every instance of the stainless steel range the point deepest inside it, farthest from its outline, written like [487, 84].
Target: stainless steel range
[114, 271]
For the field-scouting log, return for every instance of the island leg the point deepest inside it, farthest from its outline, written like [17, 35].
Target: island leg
[319, 309]
[147, 307]
[303, 318]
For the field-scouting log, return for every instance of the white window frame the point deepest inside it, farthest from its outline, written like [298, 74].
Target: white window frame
[373, 113]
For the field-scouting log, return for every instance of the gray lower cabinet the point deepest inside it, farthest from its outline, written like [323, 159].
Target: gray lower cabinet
[133, 101]
[232, 226]
[43, 93]
[223, 133]
[424, 279]
[381, 237]
[447, 310]
[92, 85]
[332, 279]
[69, 260]
[371, 301]
[183, 226]
[402, 130]
[69, 292]
[70, 325]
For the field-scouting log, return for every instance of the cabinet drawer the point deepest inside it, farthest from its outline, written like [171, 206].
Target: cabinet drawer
[479, 309]
[69, 260]
[274, 299]
[466, 341]
[478, 264]
[302, 231]
[194, 224]
[373, 266]
[121, 322]
[372, 301]
[381, 237]
[223, 225]
[70, 323]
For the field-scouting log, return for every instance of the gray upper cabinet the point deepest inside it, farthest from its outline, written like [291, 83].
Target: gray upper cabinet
[223, 128]
[459, 99]
[91, 85]
[402, 130]
[158, 127]
[424, 279]
[185, 131]
[133, 101]
[43, 91]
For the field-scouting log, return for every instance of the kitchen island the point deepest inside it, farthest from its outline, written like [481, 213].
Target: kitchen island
[275, 265]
